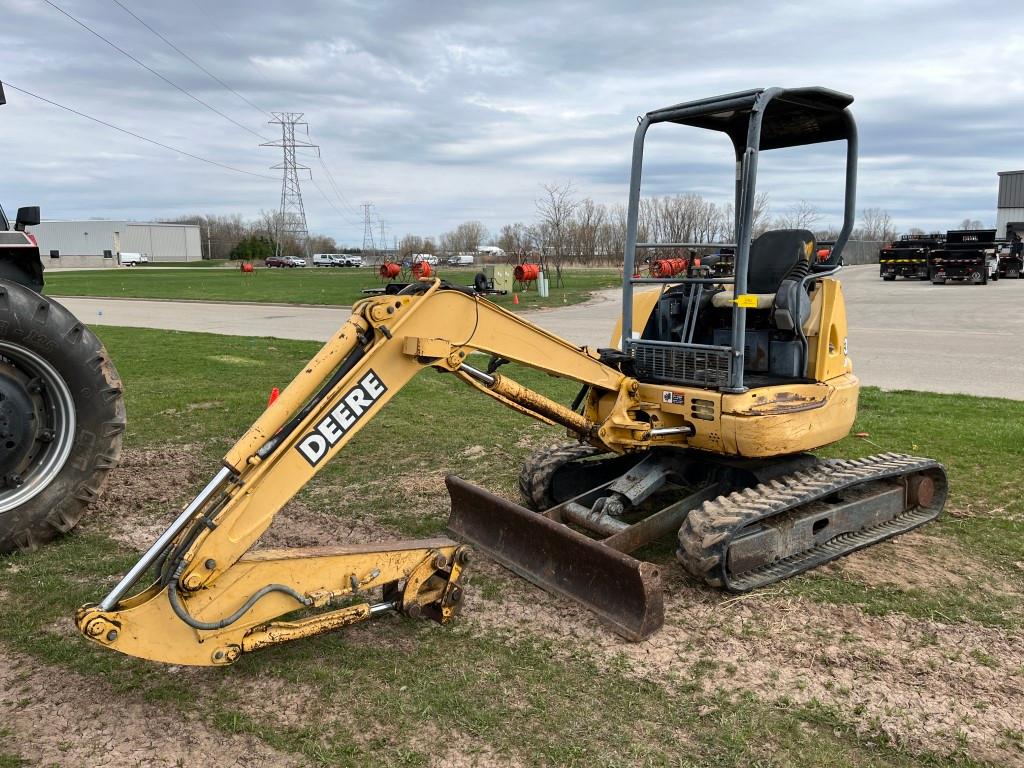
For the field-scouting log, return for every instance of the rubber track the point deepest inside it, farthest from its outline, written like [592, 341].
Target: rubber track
[706, 534]
[539, 469]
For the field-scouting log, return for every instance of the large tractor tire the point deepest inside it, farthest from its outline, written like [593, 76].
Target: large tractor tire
[62, 418]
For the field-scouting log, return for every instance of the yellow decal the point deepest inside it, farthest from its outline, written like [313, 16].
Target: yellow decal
[747, 300]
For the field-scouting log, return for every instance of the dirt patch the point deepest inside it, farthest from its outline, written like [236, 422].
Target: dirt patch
[75, 723]
[923, 562]
[296, 525]
[925, 685]
[464, 751]
[146, 491]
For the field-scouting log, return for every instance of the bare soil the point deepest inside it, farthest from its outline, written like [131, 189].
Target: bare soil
[58, 718]
[927, 685]
[146, 491]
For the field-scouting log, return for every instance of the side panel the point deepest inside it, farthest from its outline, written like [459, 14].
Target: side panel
[774, 421]
[644, 303]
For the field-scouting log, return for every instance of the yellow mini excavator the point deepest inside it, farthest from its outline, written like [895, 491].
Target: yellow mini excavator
[698, 421]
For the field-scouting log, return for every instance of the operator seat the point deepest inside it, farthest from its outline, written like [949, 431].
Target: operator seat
[772, 255]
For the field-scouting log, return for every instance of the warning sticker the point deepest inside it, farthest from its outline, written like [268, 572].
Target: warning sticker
[673, 398]
[746, 300]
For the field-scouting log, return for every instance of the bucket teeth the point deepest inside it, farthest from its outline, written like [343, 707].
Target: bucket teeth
[624, 592]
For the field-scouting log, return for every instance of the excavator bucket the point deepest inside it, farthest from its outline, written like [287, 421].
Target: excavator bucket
[624, 592]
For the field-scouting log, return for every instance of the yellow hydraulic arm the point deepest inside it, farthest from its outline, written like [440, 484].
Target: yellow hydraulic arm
[211, 600]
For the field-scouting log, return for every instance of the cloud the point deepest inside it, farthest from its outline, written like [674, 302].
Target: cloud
[444, 111]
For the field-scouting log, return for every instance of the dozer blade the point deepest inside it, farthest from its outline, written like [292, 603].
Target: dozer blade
[623, 591]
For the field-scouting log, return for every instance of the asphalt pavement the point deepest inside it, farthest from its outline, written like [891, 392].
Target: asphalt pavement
[955, 338]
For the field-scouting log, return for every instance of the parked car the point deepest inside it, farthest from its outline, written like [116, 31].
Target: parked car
[132, 259]
[337, 260]
[295, 261]
[461, 260]
[284, 261]
[426, 258]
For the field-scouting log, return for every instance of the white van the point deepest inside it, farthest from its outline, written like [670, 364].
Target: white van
[461, 260]
[132, 259]
[337, 260]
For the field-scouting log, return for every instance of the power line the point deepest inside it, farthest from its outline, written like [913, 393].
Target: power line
[148, 68]
[334, 186]
[137, 135]
[328, 200]
[131, 13]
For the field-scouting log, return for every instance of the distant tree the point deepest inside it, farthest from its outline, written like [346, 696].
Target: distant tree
[465, 237]
[802, 215]
[556, 208]
[876, 224]
[322, 244]
[409, 245]
[971, 224]
[253, 248]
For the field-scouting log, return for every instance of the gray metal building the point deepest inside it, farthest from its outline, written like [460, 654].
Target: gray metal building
[1010, 208]
[97, 242]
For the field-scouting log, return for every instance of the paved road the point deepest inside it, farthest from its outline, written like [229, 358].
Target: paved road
[903, 335]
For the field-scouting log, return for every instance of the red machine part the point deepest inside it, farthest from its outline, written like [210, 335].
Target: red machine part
[389, 270]
[668, 267]
[421, 269]
[526, 273]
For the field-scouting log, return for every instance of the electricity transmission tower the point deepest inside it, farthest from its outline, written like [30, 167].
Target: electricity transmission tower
[291, 218]
[368, 245]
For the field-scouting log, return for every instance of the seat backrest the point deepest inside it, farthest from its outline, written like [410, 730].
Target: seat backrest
[772, 255]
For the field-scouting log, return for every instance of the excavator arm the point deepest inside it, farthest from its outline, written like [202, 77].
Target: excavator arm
[211, 599]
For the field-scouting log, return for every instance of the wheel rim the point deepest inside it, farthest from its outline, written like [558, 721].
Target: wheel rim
[52, 429]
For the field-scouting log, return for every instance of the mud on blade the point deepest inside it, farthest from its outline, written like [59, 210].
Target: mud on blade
[623, 591]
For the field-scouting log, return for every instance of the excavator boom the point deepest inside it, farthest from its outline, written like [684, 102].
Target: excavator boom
[210, 599]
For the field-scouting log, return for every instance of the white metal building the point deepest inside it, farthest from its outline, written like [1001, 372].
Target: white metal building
[97, 242]
[1010, 208]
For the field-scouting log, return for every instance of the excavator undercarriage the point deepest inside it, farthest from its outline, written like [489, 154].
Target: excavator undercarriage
[700, 420]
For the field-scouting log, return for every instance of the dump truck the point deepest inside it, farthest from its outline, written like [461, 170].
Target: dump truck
[62, 415]
[908, 256]
[967, 255]
[699, 421]
[1011, 261]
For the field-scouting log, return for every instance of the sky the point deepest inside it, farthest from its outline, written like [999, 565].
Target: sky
[441, 112]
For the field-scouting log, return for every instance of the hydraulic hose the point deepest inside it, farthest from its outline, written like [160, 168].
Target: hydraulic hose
[185, 616]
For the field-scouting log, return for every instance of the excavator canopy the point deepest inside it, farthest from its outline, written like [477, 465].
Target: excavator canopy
[792, 116]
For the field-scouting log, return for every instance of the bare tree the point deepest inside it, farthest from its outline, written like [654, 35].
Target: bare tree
[556, 208]
[802, 215]
[514, 239]
[876, 224]
[409, 245]
[971, 224]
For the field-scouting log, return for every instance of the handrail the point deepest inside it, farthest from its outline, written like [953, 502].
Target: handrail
[685, 245]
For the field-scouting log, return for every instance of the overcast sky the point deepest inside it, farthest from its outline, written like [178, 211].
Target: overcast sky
[438, 112]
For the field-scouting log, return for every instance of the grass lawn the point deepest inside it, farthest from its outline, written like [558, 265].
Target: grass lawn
[493, 689]
[292, 286]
